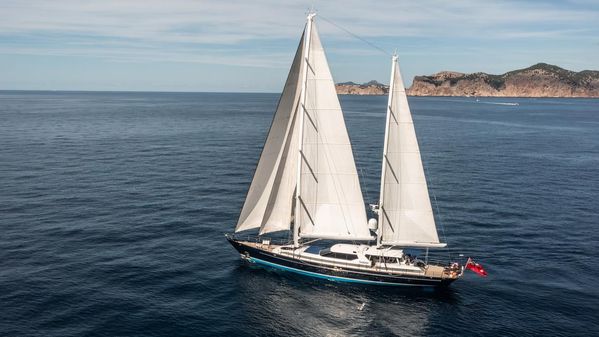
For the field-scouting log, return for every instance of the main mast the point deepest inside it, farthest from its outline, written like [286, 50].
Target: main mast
[381, 210]
[302, 107]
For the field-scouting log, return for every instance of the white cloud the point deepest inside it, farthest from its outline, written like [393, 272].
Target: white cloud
[234, 21]
[210, 31]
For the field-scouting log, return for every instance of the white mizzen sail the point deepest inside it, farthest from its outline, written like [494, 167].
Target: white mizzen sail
[330, 201]
[268, 204]
[405, 212]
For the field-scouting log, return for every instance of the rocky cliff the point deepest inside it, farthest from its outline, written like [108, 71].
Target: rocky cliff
[540, 80]
[370, 88]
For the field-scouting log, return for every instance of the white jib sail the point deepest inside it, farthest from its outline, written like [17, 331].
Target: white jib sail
[405, 212]
[268, 204]
[330, 201]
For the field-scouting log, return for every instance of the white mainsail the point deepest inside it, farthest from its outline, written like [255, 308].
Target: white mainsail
[330, 200]
[405, 212]
[307, 146]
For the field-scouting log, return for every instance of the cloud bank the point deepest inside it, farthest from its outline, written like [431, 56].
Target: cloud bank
[264, 33]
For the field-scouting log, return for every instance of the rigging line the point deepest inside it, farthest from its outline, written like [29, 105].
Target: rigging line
[439, 216]
[364, 180]
[356, 36]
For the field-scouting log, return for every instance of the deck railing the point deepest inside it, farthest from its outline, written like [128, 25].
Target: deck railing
[259, 239]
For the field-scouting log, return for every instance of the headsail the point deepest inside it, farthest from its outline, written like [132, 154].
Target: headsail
[405, 212]
[268, 204]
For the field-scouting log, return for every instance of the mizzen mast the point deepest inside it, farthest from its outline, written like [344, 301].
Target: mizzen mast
[381, 208]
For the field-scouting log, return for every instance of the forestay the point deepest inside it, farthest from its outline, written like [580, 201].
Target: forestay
[405, 212]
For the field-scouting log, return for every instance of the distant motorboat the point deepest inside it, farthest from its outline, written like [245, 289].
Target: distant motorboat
[497, 103]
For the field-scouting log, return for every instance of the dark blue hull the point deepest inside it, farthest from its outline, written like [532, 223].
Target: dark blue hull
[269, 259]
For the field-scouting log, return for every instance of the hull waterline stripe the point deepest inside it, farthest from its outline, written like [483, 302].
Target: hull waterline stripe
[330, 277]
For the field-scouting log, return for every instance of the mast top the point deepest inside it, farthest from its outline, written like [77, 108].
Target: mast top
[311, 14]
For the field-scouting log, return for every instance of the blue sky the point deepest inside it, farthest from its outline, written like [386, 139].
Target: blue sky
[191, 45]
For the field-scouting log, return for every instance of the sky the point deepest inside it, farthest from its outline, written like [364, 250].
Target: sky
[248, 46]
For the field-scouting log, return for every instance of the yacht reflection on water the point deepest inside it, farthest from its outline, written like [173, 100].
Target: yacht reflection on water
[277, 303]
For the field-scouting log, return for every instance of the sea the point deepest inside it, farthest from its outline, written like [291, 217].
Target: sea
[114, 206]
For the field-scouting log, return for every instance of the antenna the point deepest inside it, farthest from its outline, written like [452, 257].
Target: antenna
[311, 13]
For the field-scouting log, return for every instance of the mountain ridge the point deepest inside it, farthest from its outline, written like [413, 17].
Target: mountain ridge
[538, 80]
[372, 88]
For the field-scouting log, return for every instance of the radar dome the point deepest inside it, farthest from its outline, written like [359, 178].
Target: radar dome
[373, 224]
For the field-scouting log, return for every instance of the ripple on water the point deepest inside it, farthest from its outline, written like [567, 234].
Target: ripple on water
[113, 208]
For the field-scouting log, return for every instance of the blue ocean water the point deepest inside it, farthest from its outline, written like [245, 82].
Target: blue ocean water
[113, 208]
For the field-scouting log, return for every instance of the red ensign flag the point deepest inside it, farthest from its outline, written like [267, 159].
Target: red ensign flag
[475, 267]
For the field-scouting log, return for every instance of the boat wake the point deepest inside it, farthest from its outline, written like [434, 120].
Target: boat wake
[498, 103]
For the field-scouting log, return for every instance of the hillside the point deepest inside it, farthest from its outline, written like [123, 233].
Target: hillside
[539, 80]
[369, 88]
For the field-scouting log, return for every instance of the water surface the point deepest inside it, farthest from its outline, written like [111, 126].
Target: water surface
[113, 208]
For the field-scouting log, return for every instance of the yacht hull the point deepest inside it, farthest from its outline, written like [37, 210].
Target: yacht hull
[337, 274]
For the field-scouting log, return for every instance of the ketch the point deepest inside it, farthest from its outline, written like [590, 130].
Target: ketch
[306, 185]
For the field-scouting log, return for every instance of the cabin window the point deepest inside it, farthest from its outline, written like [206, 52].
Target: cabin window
[342, 256]
[384, 259]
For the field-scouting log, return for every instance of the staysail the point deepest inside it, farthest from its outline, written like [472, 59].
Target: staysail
[268, 204]
[405, 212]
[306, 173]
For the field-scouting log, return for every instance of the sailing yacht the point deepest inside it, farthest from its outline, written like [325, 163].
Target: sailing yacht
[306, 185]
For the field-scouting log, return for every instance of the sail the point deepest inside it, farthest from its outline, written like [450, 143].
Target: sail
[405, 212]
[307, 146]
[331, 205]
[277, 216]
[268, 203]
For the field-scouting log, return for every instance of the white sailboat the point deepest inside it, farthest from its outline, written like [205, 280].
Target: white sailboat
[306, 184]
